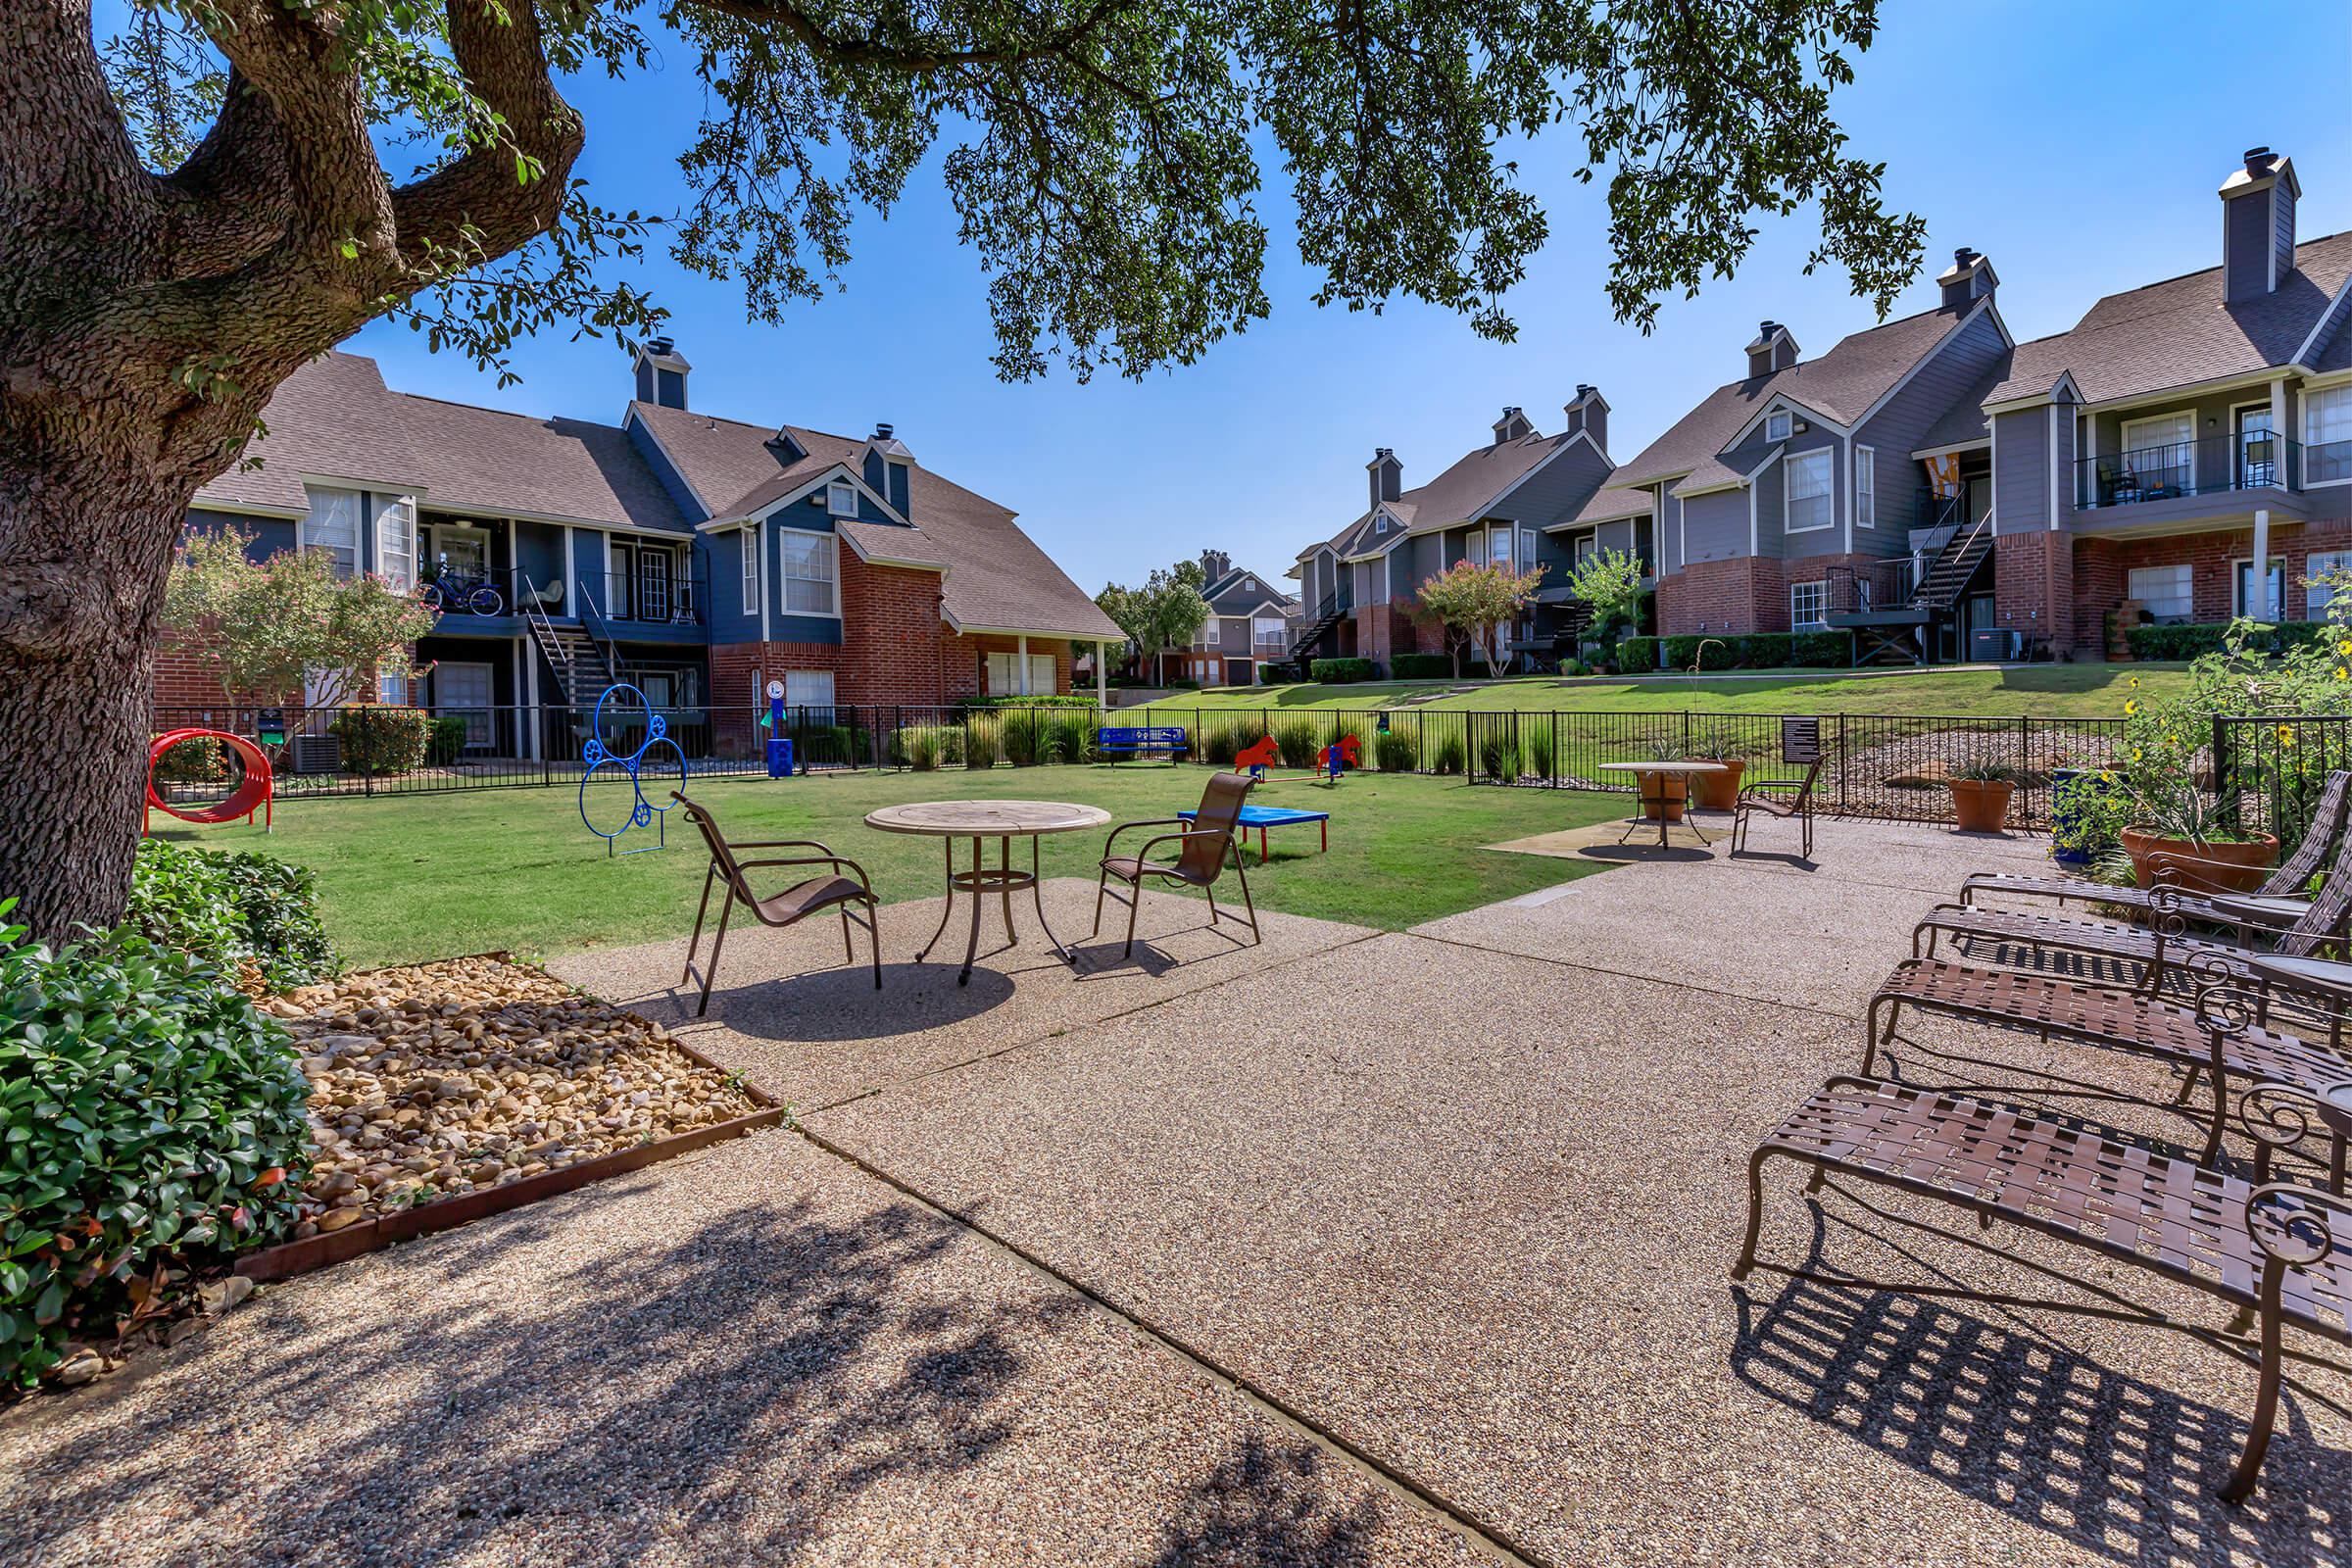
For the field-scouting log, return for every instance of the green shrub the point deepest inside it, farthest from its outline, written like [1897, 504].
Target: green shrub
[1070, 739]
[1297, 742]
[1392, 752]
[1450, 753]
[924, 747]
[1761, 650]
[1822, 650]
[1023, 734]
[1221, 743]
[196, 761]
[1499, 754]
[1340, 671]
[1421, 666]
[1637, 655]
[227, 909]
[445, 741]
[380, 739]
[1538, 749]
[1719, 653]
[146, 1110]
[2206, 637]
[1040, 700]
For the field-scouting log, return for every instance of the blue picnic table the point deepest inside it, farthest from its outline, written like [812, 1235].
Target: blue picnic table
[1262, 818]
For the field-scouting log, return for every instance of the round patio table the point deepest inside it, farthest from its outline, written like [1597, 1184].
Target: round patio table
[980, 820]
[1653, 794]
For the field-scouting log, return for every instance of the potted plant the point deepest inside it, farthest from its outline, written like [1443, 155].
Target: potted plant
[1981, 790]
[1664, 794]
[2181, 831]
[1723, 745]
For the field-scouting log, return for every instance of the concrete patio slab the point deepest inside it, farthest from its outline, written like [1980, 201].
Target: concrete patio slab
[813, 1031]
[757, 1354]
[1471, 1213]
[1921, 856]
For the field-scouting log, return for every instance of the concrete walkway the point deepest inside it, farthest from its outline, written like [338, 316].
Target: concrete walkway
[1350, 1248]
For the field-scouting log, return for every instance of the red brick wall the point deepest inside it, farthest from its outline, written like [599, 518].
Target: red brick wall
[2034, 586]
[2102, 570]
[1383, 631]
[1741, 594]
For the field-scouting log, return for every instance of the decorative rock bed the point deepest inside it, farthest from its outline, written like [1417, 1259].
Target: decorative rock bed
[437, 1087]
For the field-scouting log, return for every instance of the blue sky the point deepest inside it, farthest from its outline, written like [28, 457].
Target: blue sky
[2078, 145]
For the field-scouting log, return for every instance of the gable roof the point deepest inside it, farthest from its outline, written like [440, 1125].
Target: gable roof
[1460, 494]
[1841, 386]
[1610, 503]
[332, 417]
[2181, 332]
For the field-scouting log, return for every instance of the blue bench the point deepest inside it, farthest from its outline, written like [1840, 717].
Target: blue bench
[1262, 818]
[1141, 740]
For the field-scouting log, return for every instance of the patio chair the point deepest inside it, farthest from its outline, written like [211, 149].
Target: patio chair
[1209, 840]
[2279, 901]
[789, 906]
[1800, 746]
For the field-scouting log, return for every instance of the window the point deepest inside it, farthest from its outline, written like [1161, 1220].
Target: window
[333, 525]
[2160, 455]
[1806, 478]
[1004, 676]
[1527, 550]
[1041, 673]
[2317, 567]
[1474, 547]
[392, 689]
[2328, 435]
[1776, 426]
[1806, 602]
[1208, 632]
[808, 573]
[2162, 591]
[1380, 524]
[2242, 574]
[1866, 488]
[396, 545]
[751, 568]
[809, 688]
[841, 499]
[1268, 630]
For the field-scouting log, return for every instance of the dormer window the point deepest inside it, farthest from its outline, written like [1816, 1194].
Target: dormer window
[1380, 524]
[841, 499]
[1776, 426]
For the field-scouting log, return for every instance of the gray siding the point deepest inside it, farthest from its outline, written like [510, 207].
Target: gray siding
[2021, 475]
[2246, 247]
[270, 535]
[1558, 490]
[1715, 525]
[1903, 423]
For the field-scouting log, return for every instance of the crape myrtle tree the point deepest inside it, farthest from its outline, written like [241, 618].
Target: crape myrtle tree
[198, 196]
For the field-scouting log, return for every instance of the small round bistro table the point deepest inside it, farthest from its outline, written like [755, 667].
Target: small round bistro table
[1654, 795]
[978, 820]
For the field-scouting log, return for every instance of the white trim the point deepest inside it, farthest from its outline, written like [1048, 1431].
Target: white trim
[1781, 402]
[248, 508]
[629, 415]
[1855, 451]
[2064, 383]
[1955, 448]
[2124, 446]
[824, 476]
[1823, 624]
[2318, 328]
[1537, 467]
[2237, 601]
[967, 629]
[1787, 468]
[2198, 390]
[751, 583]
[1753, 546]
[1992, 480]
[767, 622]
[2051, 462]
[833, 554]
[347, 481]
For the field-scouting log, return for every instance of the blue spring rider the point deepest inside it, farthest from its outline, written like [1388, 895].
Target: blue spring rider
[598, 754]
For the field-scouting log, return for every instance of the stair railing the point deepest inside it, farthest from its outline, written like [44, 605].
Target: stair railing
[600, 634]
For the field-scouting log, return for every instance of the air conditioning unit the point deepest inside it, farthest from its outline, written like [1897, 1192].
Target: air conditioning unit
[316, 754]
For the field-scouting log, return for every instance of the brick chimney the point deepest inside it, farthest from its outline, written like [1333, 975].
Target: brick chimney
[1388, 475]
[1772, 350]
[661, 373]
[2258, 225]
[1968, 279]
[1589, 412]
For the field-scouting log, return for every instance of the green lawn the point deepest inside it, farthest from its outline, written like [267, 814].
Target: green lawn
[2046, 691]
[437, 875]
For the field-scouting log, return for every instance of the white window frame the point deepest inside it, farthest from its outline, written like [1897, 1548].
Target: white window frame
[2127, 446]
[1827, 460]
[1818, 591]
[1044, 679]
[396, 553]
[799, 695]
[841, 499]
[2186, 597]
[2237, 599]
[828, 546]
[345, 557]
[1523, 551]
[392, 687]
[1866, 487]
[1380, 524]
[1780, 427]
[1011, 679]
[751, 571]
[1474, 547]
[1209, 632]
[2318, 563]
[2337, 402]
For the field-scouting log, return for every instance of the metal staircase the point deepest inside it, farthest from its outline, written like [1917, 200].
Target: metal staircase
[1887, 603]
[583, 663]
[1947, 575]
[1334, 609]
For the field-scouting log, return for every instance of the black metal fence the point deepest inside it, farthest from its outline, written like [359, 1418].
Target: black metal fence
[2267, 771]
[1880, 765]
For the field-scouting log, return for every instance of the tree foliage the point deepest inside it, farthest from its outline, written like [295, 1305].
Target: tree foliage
[1609, 583]
[1166, 612]
[285, 626]
[1474, 602]
[1102, 156]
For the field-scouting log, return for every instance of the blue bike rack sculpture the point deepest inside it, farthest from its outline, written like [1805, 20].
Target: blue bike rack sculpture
[598, 754]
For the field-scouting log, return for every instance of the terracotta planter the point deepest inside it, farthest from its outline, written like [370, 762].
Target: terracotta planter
[2202, 868]
[1717, 792]
[1981, 804]
[1663, 794]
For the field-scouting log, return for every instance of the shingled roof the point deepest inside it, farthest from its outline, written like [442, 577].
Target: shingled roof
[335, 418]
[1862, 368]
[2180, 332]
[1460, 494]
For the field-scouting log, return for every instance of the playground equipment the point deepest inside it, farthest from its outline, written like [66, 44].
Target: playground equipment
[1329, 762]
[1257, 758]
[253, 788]
[598, 754]
[779, 744]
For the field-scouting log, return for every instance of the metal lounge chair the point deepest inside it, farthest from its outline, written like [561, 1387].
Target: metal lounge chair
[1207, 839]
[2280, 1251]
[789, 906]
[1800, 746]
[2279, 901]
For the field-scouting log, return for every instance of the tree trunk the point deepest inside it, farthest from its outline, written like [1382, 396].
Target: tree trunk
[77, 684]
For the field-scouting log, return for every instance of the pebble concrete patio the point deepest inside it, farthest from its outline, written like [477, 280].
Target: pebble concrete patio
[1354, 1248]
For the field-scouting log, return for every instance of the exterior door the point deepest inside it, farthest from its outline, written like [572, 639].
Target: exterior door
[465, 690]
[2256, 449]
[652, 591]
[2242, 575]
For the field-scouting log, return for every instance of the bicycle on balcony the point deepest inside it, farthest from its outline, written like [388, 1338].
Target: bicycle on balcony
[455, 591]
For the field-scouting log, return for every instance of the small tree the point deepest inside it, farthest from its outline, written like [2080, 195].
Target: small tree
[273, 627]
[1476, 601]
[1609, 582]
[1166, 612]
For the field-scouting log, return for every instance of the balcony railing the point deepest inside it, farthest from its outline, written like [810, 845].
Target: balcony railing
[457, 590]
[1868, 587]
[2210, 466]
[646, 598]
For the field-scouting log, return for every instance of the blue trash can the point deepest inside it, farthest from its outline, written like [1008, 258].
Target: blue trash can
[2071, 789]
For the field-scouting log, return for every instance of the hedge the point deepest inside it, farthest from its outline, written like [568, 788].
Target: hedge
[380, 739]
[1434, 666]
[1340, 671]
[1637, 654]
[1755, 650]
[1041, 699]
[2205, 637]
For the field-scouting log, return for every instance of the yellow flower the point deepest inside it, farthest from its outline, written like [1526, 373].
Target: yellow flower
[2286, 736]
[2136, 680]
[2130, 707]
[2106, 778]
[2345, 647]
[2136, 754]
[2341, 673]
